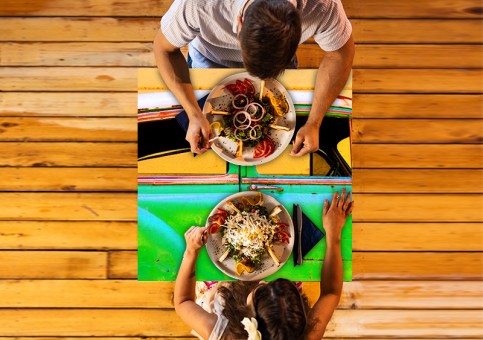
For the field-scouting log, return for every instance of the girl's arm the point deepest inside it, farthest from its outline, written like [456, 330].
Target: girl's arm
[334, 217]
[184, 291]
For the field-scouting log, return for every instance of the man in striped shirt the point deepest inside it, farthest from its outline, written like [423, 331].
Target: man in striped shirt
[262, 36]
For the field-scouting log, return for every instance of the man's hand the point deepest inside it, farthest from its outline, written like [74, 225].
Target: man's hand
[196, 238]
[335, 214]
[307, 140]
[199, 133]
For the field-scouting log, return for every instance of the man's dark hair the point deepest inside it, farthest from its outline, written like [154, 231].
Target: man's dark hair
[269, 37]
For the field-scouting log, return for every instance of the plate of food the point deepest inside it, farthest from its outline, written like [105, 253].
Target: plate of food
[250, 235]
[253, 120]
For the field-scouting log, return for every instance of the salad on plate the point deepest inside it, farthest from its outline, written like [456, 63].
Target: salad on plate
[248, 230]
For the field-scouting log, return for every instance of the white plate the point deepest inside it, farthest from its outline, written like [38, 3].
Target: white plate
[219, 99]
[267, 267]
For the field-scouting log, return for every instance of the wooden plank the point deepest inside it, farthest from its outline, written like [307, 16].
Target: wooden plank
[427, 236]
[416, 266]
[68, 206]
[67, 79]
[86, 294]
[421, 131]
[413, 9]
[77, 54]
[417, 181]
[142, 322]
[135, 29]
[134, 294]
[59, 104]
[418, 208]
[416, 31]
[417, 105]
[354, 8]
[366, 265]
[69, 129]
[40, 154]
[52, 265]
[309, 55]
[68, 179]
[417, 81]
[125, 79]
[85, 8]
[123, 265]
[401, 56]
[458, 156]
[68, 235]
[85, 322]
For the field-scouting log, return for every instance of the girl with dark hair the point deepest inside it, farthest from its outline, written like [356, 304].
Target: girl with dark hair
[255, 311]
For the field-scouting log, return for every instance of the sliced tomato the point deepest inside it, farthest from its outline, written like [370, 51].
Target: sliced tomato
[213, 228]
[260, 149]
[233, 89]
[250, 87]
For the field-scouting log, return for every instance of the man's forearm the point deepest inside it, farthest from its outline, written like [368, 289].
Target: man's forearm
[175, 73]
[331, 78]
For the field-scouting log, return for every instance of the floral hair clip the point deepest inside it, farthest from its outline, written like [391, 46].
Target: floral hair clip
[251, 326]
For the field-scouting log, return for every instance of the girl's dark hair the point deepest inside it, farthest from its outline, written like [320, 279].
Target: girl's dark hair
[269, 37]
[235, 308]
[281, 311]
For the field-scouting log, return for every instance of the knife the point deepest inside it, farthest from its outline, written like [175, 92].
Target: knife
[299, 243]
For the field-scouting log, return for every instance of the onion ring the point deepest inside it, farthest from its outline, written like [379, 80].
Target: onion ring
[252, 110]
[242, 120]
[253, 132]
[240, 95]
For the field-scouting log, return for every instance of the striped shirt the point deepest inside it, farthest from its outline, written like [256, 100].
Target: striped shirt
[210, 28]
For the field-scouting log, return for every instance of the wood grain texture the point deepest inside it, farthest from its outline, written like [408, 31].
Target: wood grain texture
[353, 8]
[67, 79]
[309, 54]
[52, 265]
[134, 294]
[85, 154]
[416, 266]
[66, 104]
[417, 131]
[417, 181]
[134, 29]
[420, 156]
[366, 265]
[71, 235]
[145, 322]
[435, 106]
[68, 179]
[68, 206]
[68, 129]
[417, 81]
[369, 9]
[422, 56]
[418, 208]
[417, 237]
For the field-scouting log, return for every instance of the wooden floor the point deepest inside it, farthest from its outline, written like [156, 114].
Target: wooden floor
[68, 171]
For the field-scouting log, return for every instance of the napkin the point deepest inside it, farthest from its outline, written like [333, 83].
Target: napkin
[182, 117]
[311, 235]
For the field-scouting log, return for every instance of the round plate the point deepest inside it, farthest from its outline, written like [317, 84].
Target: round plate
[267, 266]
[219, 99]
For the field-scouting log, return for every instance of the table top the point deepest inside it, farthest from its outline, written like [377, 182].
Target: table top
[179, 190]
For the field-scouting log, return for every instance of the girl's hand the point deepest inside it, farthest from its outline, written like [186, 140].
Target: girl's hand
[196, 238]
[336, 213]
